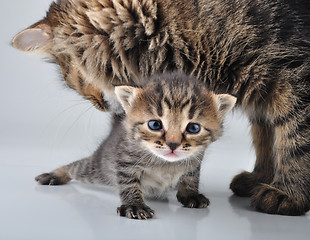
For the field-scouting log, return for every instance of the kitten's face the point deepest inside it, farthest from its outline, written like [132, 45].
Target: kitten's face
[174, 117]
[174, 136]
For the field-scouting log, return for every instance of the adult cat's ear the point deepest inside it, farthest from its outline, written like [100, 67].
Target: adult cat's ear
[126, 95]
[225, 103]
[37, 38]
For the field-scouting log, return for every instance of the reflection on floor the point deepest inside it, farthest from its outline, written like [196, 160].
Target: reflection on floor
[81, 211]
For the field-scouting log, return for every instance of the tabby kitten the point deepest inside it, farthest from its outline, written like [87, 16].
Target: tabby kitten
[256, 50]
[157, 147]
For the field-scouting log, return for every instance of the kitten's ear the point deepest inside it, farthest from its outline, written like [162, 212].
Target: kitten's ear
[126, 95]
[225, 103]
[37, 38]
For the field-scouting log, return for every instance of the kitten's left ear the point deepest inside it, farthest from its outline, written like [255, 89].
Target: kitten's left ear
[126, 95]
[225, 103]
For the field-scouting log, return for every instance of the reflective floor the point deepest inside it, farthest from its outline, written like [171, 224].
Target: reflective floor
[43, 125]
[80, 211]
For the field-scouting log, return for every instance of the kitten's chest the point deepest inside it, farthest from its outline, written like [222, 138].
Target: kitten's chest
[156, 182]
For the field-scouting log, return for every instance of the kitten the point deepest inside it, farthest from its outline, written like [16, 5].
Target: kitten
[255, 50]
[157, 147]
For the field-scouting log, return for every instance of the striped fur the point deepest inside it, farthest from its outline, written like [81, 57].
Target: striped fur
[256, 50]
[135, 158]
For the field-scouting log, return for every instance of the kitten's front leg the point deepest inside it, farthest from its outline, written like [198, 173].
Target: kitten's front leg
[188, 193]
[133, 205]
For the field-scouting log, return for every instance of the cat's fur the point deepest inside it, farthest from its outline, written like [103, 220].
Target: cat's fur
[145, 162]
[256, 50]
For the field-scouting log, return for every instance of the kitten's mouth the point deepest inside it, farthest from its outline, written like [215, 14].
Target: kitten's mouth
[172, 154]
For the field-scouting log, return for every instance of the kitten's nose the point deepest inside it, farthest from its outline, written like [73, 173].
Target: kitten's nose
[173, 145]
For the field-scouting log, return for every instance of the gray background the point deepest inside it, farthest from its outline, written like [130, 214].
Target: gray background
[44, 125]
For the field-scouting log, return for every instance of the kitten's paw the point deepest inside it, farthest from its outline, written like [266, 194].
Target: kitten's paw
[243, 184]
[269, 199]
[142, 212]
[194, 201]
[49, 179]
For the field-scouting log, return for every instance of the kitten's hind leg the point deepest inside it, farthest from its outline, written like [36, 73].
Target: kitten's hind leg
[244, 183]
[84, 170]
[56, 177]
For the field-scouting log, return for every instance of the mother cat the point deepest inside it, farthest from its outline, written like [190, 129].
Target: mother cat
[256, 50]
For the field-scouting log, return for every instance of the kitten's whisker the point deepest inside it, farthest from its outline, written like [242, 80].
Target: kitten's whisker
[64, 111]
[77, 119]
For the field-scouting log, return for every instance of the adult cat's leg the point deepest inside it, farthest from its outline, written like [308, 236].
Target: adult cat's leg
[263, 138]
[188, 193]
[289, 192]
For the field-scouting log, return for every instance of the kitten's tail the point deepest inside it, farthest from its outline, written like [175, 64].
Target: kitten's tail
[83, 170]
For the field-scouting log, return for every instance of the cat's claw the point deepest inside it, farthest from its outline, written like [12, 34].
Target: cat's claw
[142, 212]
[48, 179]
[143, 216]
[194, 201]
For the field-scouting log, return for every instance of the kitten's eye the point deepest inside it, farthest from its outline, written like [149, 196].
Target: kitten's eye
[155, 125]
[193, 128]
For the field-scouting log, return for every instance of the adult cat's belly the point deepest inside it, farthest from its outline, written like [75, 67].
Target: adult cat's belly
[157, 182]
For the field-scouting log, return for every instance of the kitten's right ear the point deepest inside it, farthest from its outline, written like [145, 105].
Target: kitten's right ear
[126, 95]
[37, 38]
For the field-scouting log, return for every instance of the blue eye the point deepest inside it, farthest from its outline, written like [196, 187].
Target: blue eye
[155, 125]
[193, 128]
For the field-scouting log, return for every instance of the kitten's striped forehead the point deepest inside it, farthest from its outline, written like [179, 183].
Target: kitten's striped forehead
[176, 92]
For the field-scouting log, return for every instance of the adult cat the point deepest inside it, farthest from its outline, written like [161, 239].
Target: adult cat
[256, 50]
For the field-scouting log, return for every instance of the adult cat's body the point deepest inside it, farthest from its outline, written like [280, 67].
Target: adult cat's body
[157, 148]
[256, 50]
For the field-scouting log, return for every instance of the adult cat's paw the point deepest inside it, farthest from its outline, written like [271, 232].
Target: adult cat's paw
[194, 201]
[269, 199]
[142, 212]
[243, 184]
[49, 179]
